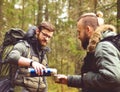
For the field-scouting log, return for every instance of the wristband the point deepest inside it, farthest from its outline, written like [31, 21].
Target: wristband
[31, 63]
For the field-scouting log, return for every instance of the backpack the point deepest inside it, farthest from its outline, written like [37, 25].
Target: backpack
[10, 39]
[115, 40]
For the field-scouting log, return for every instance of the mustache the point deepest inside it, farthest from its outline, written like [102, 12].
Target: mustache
[44, 40]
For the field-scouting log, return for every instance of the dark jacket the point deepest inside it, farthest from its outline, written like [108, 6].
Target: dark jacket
[101, 68]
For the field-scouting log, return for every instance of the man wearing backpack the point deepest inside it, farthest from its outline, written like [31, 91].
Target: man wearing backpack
[31, 52]
[101, 69]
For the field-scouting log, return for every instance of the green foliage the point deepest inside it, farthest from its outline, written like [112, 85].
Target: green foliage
[54, 87]
[67, 54]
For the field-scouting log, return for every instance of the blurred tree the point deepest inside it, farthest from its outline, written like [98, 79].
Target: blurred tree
[1, 19]
[95, 5]
[40, 9]
[118, 15]
[67, 54]
[23, 14]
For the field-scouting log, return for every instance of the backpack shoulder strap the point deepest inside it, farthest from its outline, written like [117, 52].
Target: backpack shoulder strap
[28, 51]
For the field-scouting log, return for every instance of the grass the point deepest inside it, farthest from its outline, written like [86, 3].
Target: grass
[54, 87]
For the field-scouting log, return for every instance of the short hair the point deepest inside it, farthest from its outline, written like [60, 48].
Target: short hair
[91, 19]
[46, 25]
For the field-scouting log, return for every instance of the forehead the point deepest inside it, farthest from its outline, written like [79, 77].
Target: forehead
[79, 25]
[47, 31]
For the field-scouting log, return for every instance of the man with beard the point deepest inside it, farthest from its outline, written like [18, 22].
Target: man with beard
[101, 68]
[31, 52]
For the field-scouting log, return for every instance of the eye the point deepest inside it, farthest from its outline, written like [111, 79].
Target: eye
[78, 31]
[46, 35]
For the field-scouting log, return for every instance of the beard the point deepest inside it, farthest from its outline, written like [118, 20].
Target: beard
[85, 43]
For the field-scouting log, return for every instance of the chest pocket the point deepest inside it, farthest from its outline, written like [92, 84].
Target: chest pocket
[32, 84]
[42, 57]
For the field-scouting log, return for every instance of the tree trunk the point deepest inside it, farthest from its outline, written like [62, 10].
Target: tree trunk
[46, 11]
[23, 15]
[118, 15]
[1, 19]
[95, 5]
[39, 16]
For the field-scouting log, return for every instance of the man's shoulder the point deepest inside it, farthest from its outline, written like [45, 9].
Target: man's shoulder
[106, 46]
[22, 44]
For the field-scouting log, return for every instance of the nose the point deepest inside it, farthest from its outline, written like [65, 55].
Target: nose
[46, 38]
[78, 37]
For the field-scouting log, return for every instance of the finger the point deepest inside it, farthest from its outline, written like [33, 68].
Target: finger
[57, 79]
[43, 67]
[38, 70]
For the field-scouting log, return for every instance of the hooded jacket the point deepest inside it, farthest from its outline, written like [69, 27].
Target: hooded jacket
[29, 48]
[101, 68]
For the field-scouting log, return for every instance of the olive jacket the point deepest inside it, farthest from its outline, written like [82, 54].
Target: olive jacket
[101, 69]
[32, 84]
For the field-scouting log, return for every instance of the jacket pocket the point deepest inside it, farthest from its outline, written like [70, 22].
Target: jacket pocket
[34, 84]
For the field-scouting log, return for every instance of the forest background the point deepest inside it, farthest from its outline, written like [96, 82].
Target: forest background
[66, 53]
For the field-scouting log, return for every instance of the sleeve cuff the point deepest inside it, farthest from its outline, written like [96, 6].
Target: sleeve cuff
[74, 81]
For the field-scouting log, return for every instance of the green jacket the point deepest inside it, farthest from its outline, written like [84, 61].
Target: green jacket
[30, 83]
[101, 68]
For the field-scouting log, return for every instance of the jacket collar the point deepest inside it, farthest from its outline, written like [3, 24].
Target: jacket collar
[100, 33]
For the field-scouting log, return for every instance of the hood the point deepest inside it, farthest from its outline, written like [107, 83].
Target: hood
[100, 33]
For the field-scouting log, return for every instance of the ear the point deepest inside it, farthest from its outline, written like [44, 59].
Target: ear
[89, 30]
[37, 31]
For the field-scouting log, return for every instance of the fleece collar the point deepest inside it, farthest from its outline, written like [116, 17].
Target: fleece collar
[100, 33]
